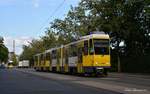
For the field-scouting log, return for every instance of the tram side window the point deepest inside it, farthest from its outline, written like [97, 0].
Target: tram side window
[44, 57]
[72, 51]
[54, 54]
[50, 56]
[66, 55]
[36, 58]
[47, 56]
[41, 57]
[59, 53]
[86, 47]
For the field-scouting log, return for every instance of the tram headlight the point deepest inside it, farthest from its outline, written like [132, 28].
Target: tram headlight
[107, 62]
[96, 63]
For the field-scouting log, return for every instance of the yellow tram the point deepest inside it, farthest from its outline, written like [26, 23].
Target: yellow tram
[89, 55]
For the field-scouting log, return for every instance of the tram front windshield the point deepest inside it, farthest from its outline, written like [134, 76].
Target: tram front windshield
[101, 46]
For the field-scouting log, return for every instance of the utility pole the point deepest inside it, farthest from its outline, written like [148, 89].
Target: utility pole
[14, 46]
[14, 55]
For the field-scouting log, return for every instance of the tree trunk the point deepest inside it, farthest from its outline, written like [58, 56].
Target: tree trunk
[118, 55]
[119, 65]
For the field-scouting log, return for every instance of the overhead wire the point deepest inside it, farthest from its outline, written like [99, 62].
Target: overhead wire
[51, 15]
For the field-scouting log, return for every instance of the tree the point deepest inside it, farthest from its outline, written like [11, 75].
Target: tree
[14, 59]
[3, 51]
[49, 40]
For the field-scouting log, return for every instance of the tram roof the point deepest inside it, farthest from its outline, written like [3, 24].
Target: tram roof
[38, 54]
[51, 49]
[100, 36]
[97, 36]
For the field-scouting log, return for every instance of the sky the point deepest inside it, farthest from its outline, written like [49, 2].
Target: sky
[24, 20]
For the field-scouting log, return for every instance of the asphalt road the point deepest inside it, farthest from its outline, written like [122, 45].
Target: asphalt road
[13, 81]
[124, 83]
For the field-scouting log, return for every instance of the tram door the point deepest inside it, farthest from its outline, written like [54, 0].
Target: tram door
[80, 60]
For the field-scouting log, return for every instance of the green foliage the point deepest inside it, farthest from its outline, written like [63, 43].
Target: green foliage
[14, 59]
[1, 39]
[3, 51]
[49, 40]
